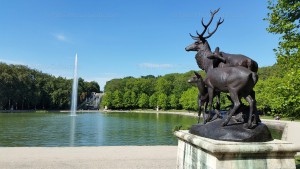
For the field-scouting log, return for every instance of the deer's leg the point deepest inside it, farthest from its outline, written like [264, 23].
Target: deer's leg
[209, 102]
[256, 119]
[205, 118]
[236, 104]
[199, 108]
[211, 97]
[218, 101]
[251, 104]
[218, 114]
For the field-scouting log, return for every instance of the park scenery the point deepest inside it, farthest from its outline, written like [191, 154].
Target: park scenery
[155, 84]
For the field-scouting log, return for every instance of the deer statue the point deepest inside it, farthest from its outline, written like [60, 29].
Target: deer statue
[203, 98]
[207, 60]
[237, 81]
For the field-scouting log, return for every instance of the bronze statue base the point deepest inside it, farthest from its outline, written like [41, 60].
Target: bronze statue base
[232, 132]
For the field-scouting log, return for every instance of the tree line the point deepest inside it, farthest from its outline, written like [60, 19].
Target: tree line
[146, 92]
[22, 88]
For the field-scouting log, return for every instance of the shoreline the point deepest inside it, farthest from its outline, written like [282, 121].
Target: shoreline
[175, 112]
[186, 113]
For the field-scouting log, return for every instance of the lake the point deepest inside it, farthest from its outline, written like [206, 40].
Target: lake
[91, 129]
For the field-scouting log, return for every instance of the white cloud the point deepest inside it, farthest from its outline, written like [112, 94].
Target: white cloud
[61, 37]
[156, 66]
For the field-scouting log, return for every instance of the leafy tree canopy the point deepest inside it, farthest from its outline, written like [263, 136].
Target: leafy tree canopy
[24, 88]
[284, 20]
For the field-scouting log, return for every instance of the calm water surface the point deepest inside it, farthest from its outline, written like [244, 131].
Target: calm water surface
[89, 129]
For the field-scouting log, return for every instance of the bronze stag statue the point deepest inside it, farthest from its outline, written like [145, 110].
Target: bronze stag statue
[230, 73]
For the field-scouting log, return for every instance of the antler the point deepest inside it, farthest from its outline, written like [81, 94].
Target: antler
[210, 34]
[194, 37]
[207, 25]
[200, 36]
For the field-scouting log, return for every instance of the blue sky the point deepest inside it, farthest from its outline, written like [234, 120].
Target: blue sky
[115, 39]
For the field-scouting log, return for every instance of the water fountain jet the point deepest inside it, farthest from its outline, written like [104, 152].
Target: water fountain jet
[74, 90]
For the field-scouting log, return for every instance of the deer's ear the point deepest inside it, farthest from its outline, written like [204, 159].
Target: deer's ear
[212, 56]
[217, 57]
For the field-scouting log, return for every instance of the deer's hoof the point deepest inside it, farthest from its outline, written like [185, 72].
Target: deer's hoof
[220, 117]
[224, 124]
[248, 126]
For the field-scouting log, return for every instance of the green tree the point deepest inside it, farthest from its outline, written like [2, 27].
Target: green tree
[291, 93]
[180, 84]
[92, 87]
[127, 99]
[153, 100]
[143, 101]
[284, 19]
[115, 84]
[117, 99]
[133, 99]
[146, 85]
[188, 99]
[25, 88]
[174, 101]
[281, 95]
[163, 86]
[61, 95]
[107, 100]
[265, 93]
[162, 101]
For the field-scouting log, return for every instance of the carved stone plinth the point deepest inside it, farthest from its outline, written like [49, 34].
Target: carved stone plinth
[203, 153]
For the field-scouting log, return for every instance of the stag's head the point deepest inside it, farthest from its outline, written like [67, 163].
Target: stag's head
[201, 41]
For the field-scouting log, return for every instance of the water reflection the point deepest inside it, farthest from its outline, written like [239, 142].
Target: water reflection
[72, 130]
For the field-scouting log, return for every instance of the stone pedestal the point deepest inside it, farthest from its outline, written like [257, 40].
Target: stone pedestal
[196, 152]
